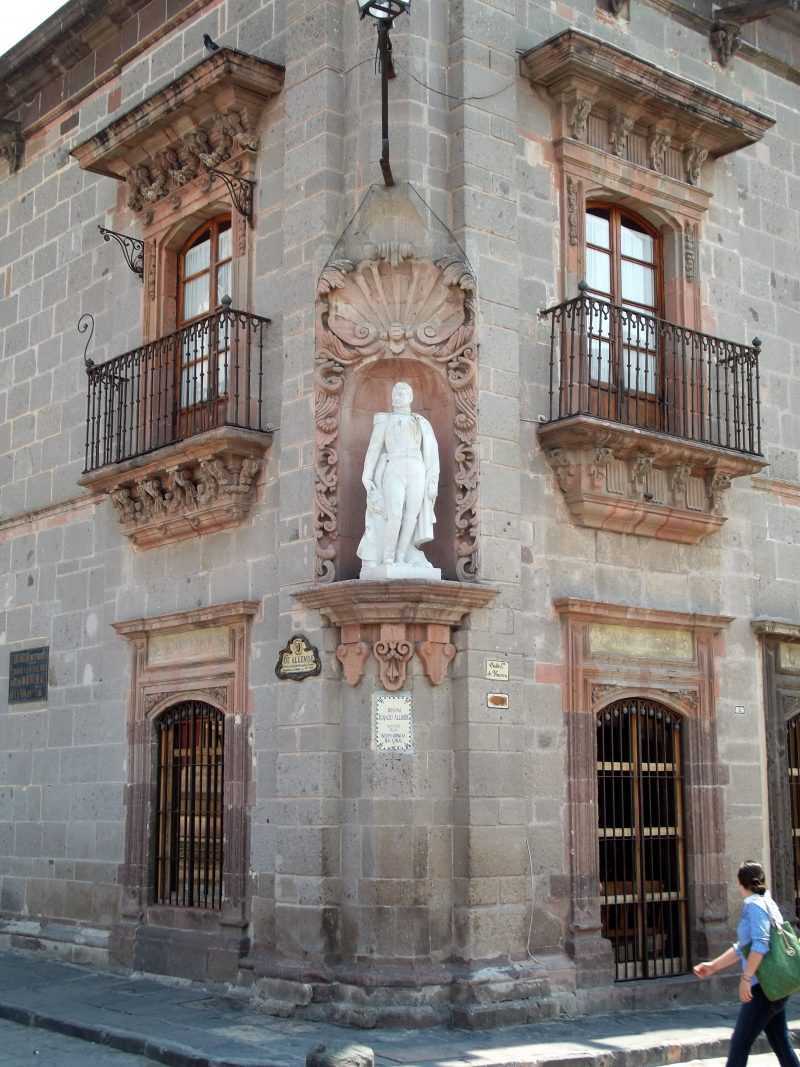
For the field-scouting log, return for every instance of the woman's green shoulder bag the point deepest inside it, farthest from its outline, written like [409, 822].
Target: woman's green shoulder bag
[778, 973]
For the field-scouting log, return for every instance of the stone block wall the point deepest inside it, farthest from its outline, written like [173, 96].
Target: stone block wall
[344, 843]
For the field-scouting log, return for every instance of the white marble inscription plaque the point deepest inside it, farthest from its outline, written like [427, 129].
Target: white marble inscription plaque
[497, 670]
[392, 722]
[188, 646]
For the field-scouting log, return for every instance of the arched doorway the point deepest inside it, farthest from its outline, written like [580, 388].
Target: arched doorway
[641, 842]
[190, 739]
[793, 769]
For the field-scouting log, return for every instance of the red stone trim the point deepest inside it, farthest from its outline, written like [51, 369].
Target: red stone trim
[393, 620]
[786, 492]
[689, 687]
[47, 517]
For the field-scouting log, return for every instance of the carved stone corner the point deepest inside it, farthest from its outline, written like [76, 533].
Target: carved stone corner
[394, 620]
[630, 480]
[196, 486]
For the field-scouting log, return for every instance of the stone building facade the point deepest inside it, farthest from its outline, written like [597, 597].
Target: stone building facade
[587, 270]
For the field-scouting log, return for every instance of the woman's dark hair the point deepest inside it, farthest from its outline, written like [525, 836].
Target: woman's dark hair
[751, 876]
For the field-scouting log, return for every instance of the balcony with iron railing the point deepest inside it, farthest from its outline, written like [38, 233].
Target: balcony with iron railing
[176, 429]
[647, 421]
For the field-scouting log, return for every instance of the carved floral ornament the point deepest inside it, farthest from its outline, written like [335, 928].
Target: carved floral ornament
[381, 309]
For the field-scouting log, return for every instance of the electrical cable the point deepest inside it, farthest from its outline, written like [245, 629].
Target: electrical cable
[449, 96]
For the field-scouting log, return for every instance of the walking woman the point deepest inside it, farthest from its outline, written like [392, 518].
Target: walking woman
[756, 1014]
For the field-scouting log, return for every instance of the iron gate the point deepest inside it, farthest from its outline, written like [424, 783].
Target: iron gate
[641, 839]
[189, 823]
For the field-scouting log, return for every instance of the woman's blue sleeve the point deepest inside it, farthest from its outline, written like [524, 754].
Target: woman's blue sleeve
[759, 929]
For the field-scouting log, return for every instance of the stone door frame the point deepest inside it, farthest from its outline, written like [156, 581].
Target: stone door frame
[192, 655]
[781, 704]
[615, 653]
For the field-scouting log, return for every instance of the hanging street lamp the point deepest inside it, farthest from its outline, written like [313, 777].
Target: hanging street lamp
[384, 12]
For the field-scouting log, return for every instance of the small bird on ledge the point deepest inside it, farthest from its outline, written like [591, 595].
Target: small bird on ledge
[210, 44]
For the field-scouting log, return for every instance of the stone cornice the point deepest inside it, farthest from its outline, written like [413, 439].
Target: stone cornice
[213, 615]
[223, 79]
[403, 601]
[787, 631]
[577, 63]
[597, 611]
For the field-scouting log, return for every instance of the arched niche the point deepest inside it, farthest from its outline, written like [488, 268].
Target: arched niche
[367, 391]
[386, 319]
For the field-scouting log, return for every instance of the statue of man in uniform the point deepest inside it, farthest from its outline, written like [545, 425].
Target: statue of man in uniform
[401, 477]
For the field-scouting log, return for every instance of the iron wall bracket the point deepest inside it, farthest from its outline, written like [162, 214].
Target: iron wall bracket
[240, 191]
[132, 249]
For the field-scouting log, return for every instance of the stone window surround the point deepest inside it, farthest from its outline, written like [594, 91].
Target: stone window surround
[165, 149]
[686, 684]
[217, 675]
[781, 703]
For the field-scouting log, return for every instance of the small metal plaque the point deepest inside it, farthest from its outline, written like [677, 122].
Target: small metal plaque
[27, 675]
[498, 700]
[299, 660]
[392, 722]
[497, 670]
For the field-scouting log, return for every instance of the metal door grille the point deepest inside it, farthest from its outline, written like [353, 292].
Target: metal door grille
[641, 839]
[793, 761]
[188, 853]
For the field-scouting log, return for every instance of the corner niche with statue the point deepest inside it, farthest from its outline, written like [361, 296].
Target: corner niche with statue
[396, 468]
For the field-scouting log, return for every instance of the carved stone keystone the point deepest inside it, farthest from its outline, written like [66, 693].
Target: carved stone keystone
[393, 620]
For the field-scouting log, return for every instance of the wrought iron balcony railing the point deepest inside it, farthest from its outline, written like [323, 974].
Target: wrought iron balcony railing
[206, 375]
[618, 364]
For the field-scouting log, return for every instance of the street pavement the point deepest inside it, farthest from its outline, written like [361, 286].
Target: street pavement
[21, 1046]
[188, 1025]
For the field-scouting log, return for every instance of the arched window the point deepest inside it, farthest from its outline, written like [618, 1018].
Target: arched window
[793, 767]
[624, 268]
[189, 813]
[641, 839]
[204, 278]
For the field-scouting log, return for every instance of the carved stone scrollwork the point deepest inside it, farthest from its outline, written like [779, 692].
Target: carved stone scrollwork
[196, 486]
[694, 158]
[373, 618]
[690, 252]
[726, 38]
[579, 118]
[383, 308]
[619, 128]
[194, 156]
[393, 656]
[641, 469]
[657, 146]
[718, 484]
[573, 190]
[598, 467]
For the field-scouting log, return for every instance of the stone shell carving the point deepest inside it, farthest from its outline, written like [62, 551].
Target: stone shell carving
[190, 158]
[378, 309]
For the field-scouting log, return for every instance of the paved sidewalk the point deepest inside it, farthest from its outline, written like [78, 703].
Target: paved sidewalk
[189, 1026]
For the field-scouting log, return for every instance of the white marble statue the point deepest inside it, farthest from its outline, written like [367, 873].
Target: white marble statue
[401, 477]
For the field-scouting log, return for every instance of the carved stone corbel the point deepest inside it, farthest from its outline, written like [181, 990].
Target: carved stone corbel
[641, 472]
[657, 145]
[619, 128]
[12, 143]
[598, 467]
[718, 484]
[694, 158]
[726, 38]
[393, 621]
[579, 117]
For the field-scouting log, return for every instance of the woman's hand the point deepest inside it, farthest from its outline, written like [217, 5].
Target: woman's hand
[703, 970]
[745, 990]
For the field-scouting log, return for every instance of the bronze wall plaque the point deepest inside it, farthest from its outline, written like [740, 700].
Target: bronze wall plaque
[27, 675]
[299, 660]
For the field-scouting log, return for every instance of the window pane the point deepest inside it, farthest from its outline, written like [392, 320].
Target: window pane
[599, 360]
[636, 243]
[194, 383]
[597, 228]
[639, 370]
[638, 329]
[197, 258]
[224, 251]
[196, 297]
[223, 281]
[598, 270]
[638, 283]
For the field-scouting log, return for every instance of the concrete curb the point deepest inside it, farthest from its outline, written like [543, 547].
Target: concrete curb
[175, 1054]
